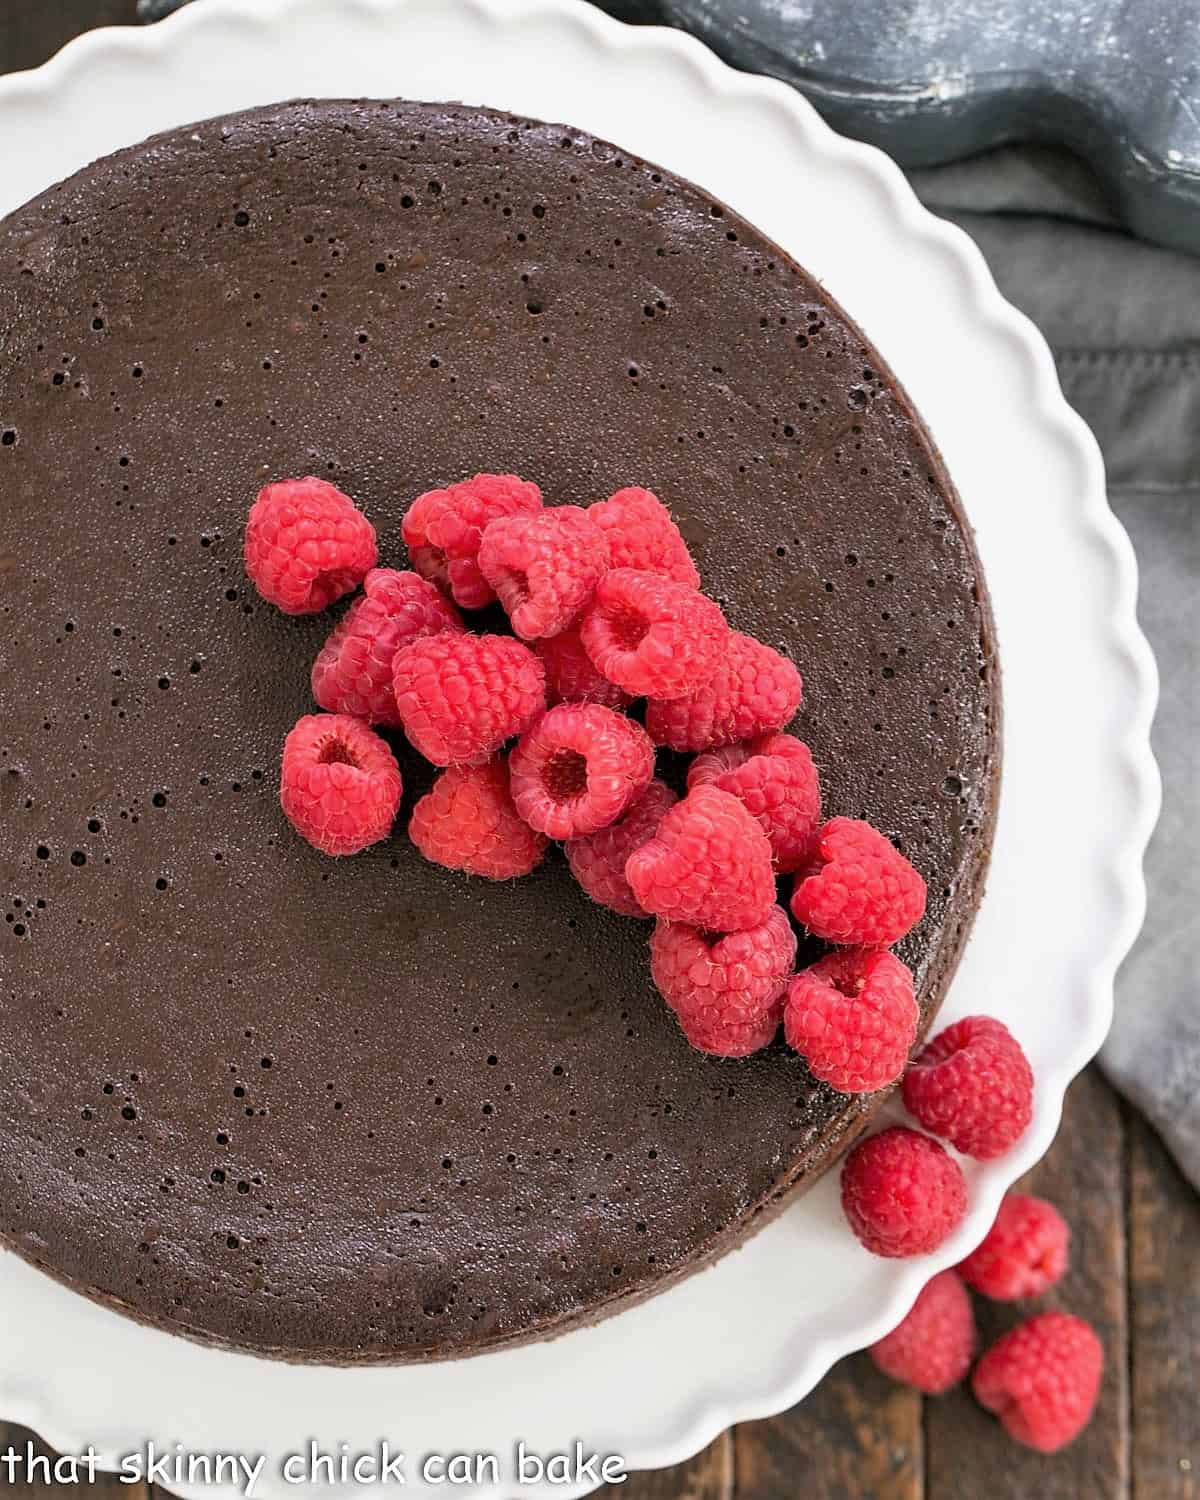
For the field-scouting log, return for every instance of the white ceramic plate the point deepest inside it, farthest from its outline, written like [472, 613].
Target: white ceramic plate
[754, 1333]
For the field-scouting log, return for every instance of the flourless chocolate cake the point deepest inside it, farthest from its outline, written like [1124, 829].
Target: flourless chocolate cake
[369, 1109]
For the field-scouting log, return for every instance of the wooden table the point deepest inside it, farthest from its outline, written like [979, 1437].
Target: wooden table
[1135, 1273]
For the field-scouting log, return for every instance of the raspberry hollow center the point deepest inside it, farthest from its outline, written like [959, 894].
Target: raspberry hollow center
[516, 589]
[332, 583]
[334, 753]
[629, 630]
[565, 775]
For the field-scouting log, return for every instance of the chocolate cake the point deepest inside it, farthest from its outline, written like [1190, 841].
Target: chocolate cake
[369, 1109]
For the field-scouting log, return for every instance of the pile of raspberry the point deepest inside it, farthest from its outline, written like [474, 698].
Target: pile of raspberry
[904, 1193]
[1042, 1377]
[535, 734]
[549, 731]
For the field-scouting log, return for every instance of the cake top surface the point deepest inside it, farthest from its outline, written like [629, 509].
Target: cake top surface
[370, 1109]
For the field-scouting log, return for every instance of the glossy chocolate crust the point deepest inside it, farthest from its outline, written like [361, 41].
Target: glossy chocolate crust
[370, 1110]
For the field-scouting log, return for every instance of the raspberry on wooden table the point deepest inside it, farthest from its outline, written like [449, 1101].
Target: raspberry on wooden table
[1025, 1251]
[853, 1016]
[859, 888]
[902, 1193]
[460, 697]
[578, 768]
[544, 567]
[642, 535]
[467, 821]
[443, 529]
[726, 989]
[651, 635]
[353, 672]
[597, 860]
[1042, 1380]
[709, 863]
[570, 675]
[972, 1085]
[932, 1348]
[306, 545]
[754, 691]
[339, 785]
[775, 779]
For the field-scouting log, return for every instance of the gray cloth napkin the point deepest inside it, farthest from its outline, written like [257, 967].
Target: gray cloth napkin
[1123, 319]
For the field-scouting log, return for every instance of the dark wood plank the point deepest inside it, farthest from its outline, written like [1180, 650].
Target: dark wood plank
[857, 1437]
[708, 1476]
[30, 1481]
[1084, 1175]
[33, 30]
[1164, 1261]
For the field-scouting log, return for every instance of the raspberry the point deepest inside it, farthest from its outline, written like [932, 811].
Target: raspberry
[306, 545]
[544, 567]
[467, 821]
[859, 888]
[577, 769]
[353, 673]
[753, 691]
[651, 635]
[643, 536]
[340, 785]
[932, 1348]
[570, 676]
[1042, 1380]
[461, 696]
[973, 1086]
[727, 991]
[597, 860]
[1025, 1251]
[443, 529]
[852, 1016]
[902, 1193]
[708, 864]
[775, 779]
